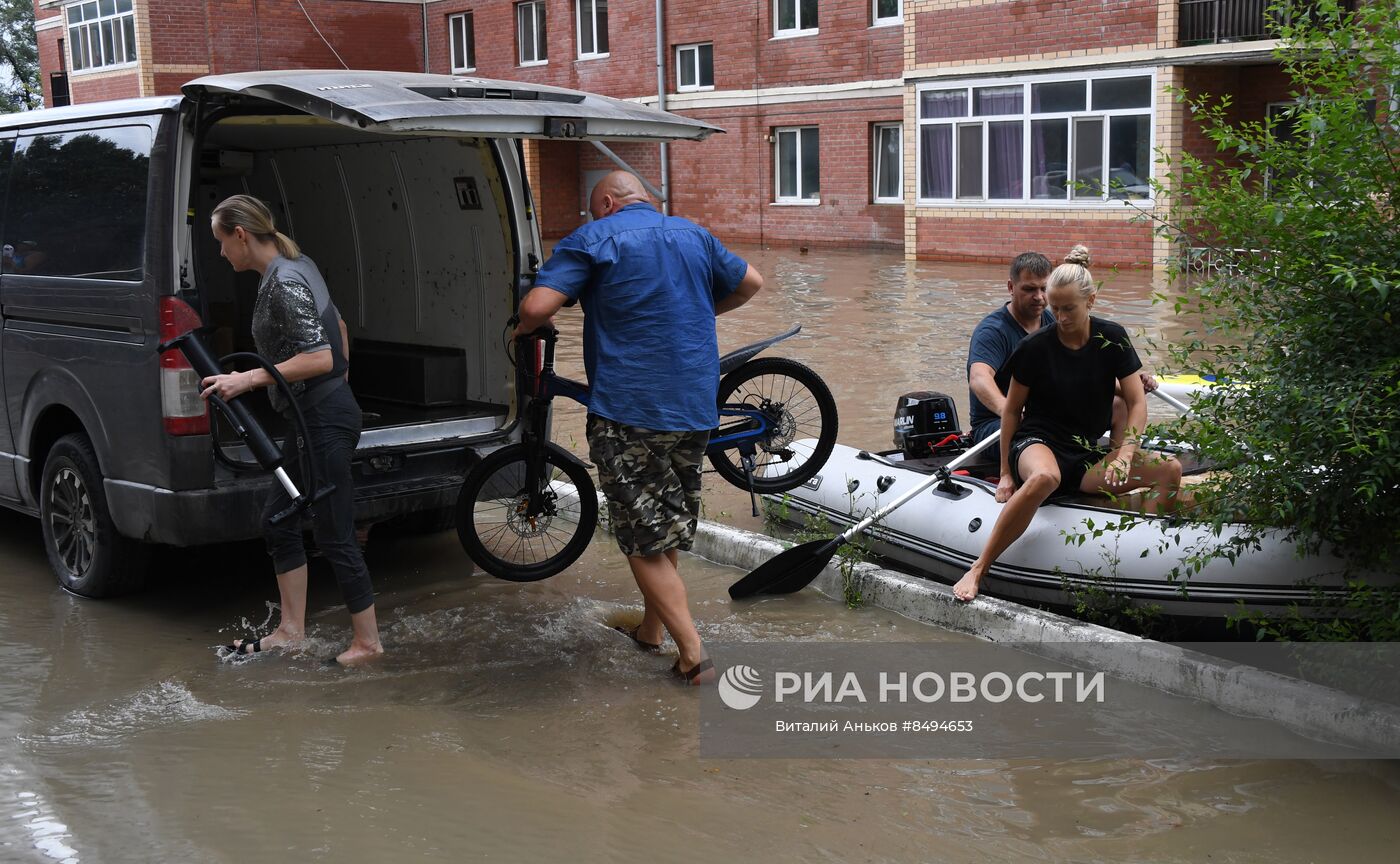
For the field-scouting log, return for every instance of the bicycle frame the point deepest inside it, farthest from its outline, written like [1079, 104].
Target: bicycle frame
[526, 511]
[741, 426]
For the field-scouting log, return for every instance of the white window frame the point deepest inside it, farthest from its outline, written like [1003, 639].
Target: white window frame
[890, 20]
[593, 22]
[791, 32]
[1026, 116]
[85, 45]
[875, 164]
[694, 49]
[541, 46]
[461, 23]
[798, 199]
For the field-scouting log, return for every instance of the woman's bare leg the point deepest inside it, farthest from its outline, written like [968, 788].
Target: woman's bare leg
[1042, 474]
[364, 644]
[1159, 473]
[291, 629]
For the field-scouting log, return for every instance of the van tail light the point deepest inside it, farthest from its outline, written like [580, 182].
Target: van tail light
[184, 412]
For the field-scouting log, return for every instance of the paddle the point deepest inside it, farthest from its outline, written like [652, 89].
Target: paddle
[1173, 401]
[795, 568]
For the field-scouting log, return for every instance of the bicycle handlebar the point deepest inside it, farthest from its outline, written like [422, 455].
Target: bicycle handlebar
[544, 331]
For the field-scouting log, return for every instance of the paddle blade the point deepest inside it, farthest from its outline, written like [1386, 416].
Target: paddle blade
[788, 571]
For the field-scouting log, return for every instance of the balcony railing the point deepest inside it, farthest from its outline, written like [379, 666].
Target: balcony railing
[1208, 22]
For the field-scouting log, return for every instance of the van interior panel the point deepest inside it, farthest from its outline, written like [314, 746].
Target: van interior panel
[408, 235]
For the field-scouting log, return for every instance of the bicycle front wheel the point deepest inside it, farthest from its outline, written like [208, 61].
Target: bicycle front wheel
[797, 404]
[509, 538]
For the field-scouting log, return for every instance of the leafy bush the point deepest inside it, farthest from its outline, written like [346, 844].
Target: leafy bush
[1297, 311]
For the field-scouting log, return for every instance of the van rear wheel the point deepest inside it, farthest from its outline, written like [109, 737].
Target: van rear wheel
[85, 551]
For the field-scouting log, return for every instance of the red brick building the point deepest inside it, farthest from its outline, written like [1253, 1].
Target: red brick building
[953, 129]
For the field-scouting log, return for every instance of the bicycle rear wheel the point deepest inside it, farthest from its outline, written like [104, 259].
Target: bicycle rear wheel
[493, 521]
[798, 404]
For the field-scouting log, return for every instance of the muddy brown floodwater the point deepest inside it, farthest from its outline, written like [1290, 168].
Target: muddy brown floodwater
[509, 723]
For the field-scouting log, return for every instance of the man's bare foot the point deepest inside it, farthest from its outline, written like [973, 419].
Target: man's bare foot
[359, 655]
[966, 587]
[279, 638]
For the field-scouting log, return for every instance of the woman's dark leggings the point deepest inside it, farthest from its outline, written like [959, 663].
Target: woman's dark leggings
[334, 427]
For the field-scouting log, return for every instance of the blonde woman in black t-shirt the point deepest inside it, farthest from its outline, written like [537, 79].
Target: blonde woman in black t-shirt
[1064, 378]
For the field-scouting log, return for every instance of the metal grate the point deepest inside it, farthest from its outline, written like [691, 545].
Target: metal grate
[1207, 22]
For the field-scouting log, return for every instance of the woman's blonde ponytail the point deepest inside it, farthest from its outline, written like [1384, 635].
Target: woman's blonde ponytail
[255, 217]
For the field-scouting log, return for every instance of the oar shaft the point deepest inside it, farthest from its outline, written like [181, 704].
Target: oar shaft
[937, 477]
[1172, 401]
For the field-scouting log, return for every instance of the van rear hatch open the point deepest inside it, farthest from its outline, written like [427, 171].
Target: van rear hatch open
[406, 191]
[416, 103]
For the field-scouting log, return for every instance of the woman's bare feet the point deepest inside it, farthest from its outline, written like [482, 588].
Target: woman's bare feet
[359, 654]
[279, 638]
[966, 587]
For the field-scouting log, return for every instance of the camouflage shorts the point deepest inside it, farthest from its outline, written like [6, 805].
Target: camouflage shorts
[652, 483]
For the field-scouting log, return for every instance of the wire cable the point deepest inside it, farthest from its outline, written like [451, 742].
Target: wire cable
[322, 35]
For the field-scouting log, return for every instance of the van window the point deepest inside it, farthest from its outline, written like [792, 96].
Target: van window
[7, 154]
[77, 205]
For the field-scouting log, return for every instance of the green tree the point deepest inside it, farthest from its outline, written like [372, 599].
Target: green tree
[1297, 306]
[21, 88]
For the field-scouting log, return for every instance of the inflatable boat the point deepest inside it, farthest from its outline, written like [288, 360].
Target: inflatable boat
[940, 532]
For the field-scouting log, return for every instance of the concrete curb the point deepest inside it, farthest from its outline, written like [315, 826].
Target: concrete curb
[1310, 710]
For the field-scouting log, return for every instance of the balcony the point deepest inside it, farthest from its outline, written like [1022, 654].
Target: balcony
[1211, 22]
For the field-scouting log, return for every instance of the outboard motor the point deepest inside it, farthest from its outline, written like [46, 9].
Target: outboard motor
[926, 424]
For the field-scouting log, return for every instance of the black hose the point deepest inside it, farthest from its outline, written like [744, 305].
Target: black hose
[308, 462]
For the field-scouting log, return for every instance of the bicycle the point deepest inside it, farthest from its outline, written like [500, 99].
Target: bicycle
[528, 510]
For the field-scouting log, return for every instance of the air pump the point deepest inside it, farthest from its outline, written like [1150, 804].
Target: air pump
[246, 426]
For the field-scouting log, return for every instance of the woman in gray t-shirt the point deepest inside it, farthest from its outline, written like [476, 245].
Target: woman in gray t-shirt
[297, 328]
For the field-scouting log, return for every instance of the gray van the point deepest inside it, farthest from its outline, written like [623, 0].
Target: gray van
[408, 191]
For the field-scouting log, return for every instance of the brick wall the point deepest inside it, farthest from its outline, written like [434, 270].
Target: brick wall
[238, 35]
[183, 39]
[995, 236]
[845, 48]
[726, 182]
[1251, 90]
[846, 214]
[953, 32]
[96, 88]
[556, 189]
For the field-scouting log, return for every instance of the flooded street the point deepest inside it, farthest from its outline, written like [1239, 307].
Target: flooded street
[510, 722]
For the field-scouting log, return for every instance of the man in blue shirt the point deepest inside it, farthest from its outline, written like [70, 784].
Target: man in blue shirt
[997, 335]
[651, 286]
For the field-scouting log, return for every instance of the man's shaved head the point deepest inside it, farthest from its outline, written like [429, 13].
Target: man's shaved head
[614, 192]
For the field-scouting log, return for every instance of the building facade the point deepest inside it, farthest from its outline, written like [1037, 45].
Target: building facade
[950, 129]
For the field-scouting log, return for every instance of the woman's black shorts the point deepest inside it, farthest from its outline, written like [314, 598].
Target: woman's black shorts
[1074, 461]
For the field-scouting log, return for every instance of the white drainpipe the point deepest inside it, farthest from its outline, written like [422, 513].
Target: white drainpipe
[661, 101]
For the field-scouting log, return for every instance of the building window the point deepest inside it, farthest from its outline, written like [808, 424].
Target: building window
[463, 36]
[887, 12]
[797, 168]
[695, 67]
[592, 17]
[1042, 139]
[530, 32]
[888, 163]
[101, 33]
[794, 17]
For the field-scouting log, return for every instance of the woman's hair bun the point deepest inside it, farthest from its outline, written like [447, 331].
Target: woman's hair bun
[1078, 255]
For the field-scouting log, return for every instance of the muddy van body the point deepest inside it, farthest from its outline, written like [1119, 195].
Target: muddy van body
[409, 193]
